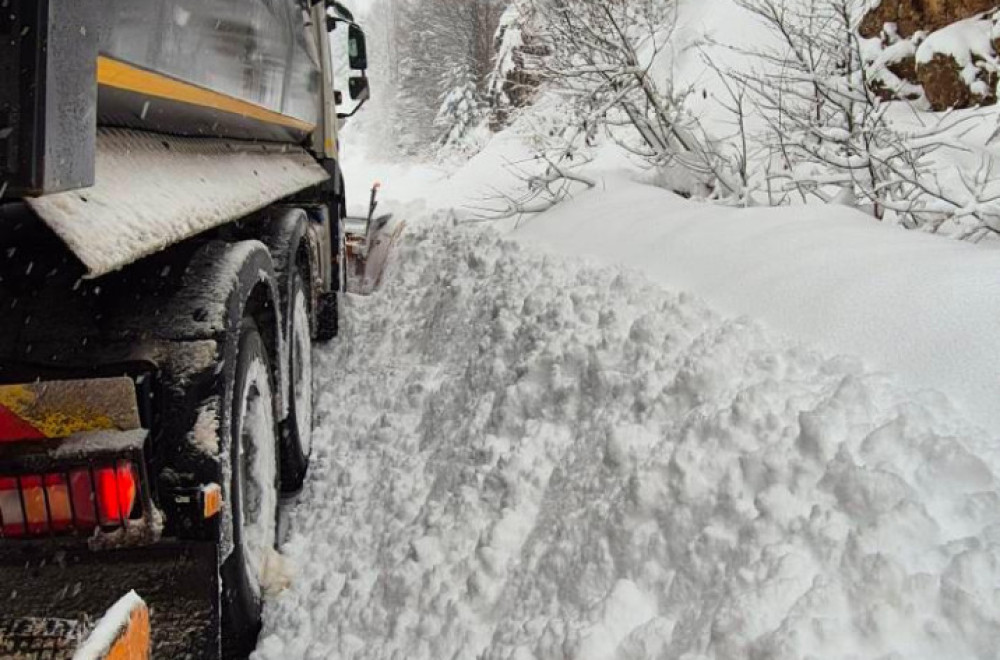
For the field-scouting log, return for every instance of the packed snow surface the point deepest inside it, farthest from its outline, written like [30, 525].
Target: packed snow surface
[522, 456]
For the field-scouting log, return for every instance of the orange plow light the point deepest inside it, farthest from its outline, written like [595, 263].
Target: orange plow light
[123, 633]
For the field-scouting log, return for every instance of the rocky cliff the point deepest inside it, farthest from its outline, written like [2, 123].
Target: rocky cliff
[912, 16]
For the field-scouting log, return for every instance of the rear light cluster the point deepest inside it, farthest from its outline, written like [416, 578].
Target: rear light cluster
[76, 500]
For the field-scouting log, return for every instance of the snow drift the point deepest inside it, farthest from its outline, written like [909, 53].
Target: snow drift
[912, 304]
[524, 457]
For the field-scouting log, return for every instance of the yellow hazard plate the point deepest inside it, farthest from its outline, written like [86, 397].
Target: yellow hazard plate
[58, 409]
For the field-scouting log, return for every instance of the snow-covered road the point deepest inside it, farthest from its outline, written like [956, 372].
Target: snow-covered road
[522, 456]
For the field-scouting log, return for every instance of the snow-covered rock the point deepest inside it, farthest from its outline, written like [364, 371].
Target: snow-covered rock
[947, 48]
[957, 65]
[912, 16]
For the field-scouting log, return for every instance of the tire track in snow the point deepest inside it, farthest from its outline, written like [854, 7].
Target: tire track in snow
[525, 457]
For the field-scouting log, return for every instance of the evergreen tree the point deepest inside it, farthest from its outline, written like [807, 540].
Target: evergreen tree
[440, 60]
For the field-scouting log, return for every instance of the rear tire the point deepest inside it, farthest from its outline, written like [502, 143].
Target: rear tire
[252, 495]
[297, 430]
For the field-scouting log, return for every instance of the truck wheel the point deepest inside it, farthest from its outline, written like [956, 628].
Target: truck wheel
[297, 429]
[253, 495]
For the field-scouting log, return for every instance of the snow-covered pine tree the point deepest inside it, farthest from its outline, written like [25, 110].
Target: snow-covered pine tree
[441, 56]
[421, 50]
[461, 105]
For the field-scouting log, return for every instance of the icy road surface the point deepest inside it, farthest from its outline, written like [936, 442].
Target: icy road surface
[522, 457]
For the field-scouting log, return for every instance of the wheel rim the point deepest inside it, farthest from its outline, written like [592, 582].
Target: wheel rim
[302, 373]
[258, 475]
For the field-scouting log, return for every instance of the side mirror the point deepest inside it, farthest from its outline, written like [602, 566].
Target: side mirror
[358, 88]
[357, 49]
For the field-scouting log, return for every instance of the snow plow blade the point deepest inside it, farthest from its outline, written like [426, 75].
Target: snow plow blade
[123, 633]
[369, 244]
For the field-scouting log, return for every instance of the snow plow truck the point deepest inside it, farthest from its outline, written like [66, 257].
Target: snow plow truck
[171, 243]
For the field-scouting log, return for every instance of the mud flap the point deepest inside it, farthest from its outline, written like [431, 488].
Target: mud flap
[62, 593]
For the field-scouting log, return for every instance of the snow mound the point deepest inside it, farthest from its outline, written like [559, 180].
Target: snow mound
[524, 457]
[909, 303]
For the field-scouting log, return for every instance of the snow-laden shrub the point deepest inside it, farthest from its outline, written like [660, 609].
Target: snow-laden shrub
[600, 57]
[831, 136]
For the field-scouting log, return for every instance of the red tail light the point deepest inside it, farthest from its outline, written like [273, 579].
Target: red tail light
[82, 487]
[78, 500]
[116, 489]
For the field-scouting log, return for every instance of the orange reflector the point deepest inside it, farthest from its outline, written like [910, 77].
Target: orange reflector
[212, 496]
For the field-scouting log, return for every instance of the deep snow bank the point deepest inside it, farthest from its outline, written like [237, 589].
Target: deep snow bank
[915, 305]
[522, 457]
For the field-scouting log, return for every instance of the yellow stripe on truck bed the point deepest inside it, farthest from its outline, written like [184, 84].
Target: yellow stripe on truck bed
[119, 75]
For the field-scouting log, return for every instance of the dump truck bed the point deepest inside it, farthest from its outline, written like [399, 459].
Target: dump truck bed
[244, 69]
[221, 68]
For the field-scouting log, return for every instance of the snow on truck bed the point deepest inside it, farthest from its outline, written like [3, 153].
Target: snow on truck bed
[524, 456]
